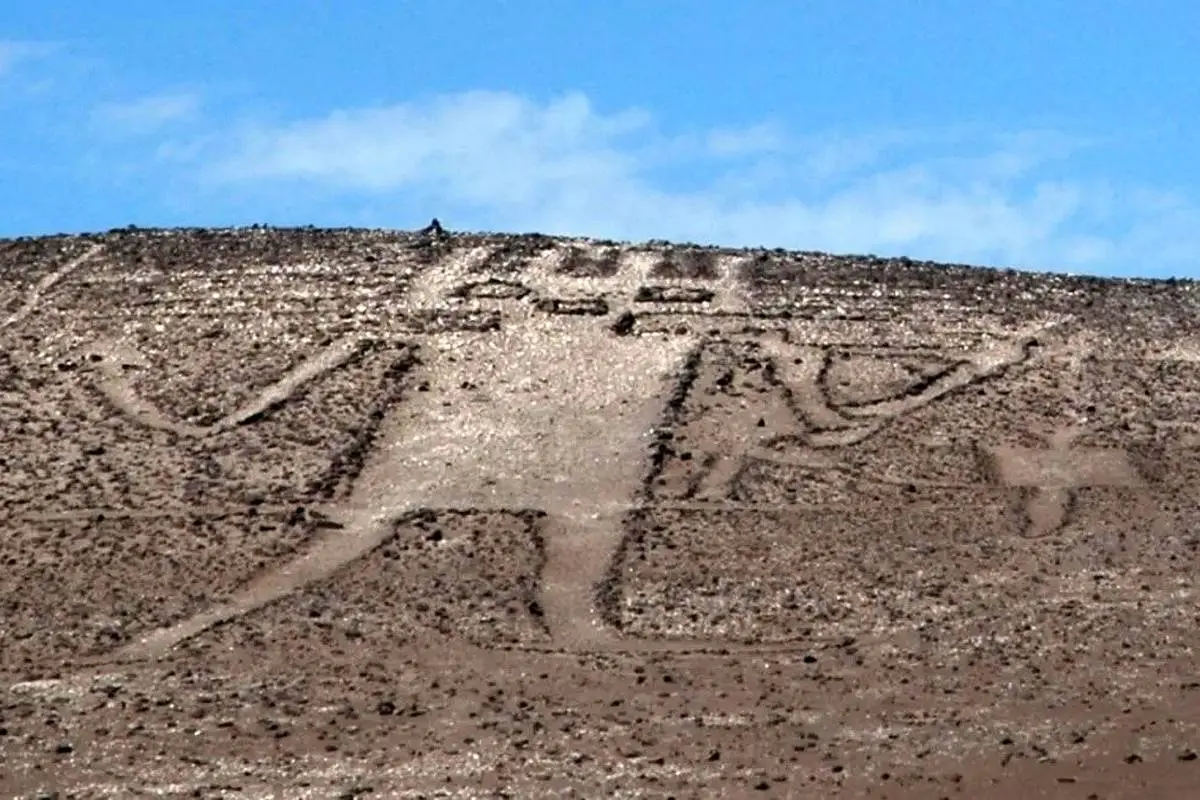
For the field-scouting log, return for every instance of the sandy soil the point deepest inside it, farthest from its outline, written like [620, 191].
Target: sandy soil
[306, 513]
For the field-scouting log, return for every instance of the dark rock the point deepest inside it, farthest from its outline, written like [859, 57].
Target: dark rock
[574, 306]
[673, 294]
[434, 229]
[623, 324]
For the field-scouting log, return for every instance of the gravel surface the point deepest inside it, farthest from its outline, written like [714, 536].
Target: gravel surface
[350, 513]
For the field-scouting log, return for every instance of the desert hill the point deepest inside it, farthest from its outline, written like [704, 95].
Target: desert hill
[317, 511]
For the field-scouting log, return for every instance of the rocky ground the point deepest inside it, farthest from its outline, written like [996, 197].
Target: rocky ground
[309, 513]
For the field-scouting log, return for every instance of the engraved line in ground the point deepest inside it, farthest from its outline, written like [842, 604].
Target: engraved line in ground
[112, 359]
[33, 297]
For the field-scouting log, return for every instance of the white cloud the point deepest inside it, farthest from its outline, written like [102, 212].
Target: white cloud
[13, 53]
[500, 161]
[756, 140]
[146, 114]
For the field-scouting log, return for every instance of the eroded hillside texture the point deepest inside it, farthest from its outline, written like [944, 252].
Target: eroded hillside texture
[309, 513]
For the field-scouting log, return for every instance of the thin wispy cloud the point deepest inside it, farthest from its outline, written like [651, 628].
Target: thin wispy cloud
[14, 53]
[144, 115]
[756, 140]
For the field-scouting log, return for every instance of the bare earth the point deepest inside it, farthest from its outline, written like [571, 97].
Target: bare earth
[305, 513]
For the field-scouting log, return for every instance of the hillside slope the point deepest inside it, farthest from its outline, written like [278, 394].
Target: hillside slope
[316, 512]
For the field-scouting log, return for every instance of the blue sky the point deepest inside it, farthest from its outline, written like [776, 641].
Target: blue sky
[1047, 134]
